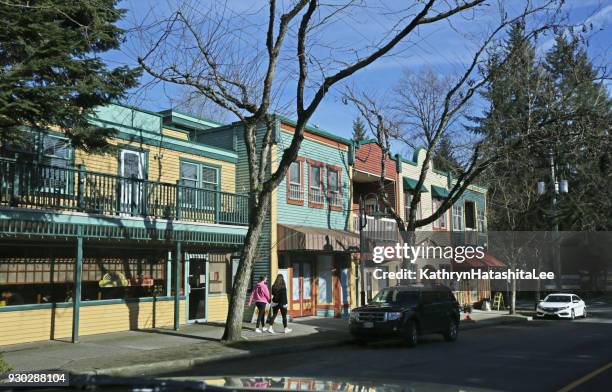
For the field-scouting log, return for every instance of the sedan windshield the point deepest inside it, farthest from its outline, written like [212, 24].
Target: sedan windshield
[558, 298]
[396, 297]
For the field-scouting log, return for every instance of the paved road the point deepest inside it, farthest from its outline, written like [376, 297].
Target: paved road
[536, 356]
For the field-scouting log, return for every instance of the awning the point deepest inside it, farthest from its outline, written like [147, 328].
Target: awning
[488, 261]
[438, 191]
[411, 184]
[292, 237]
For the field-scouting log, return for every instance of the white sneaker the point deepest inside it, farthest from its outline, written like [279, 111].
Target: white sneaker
[265, 329]
[287, 330]
[257, 330]
[271, 330]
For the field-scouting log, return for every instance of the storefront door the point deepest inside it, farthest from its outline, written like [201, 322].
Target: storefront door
[301, 296]
[197, 288]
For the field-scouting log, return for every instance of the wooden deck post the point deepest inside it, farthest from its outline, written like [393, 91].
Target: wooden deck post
[177, 286]
[76, 295]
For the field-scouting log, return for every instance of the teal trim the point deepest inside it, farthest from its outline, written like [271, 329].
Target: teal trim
[188, 119]
[78, 275]
[113, 221]
[316, 131]
[437, 191]
[177, 286]
[65, 305]
[398, 163]
[137, 109]
[411, 184]
[171, 143]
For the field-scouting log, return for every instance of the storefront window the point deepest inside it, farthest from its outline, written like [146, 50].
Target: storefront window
[218, 270]
[38, 275]
[324, 280]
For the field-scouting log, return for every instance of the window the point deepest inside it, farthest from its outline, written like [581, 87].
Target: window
[470, 215]
[56, 152]
[457, 217]
[198, 180]
[407, 201]
[218, 270]
[480, 220]
[295, 188]
[315, 180]
[439, 223]
[334, 188]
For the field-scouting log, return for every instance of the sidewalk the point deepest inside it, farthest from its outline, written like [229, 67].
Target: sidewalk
[160, 350]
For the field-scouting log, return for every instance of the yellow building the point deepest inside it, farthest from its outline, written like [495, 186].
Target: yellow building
[90, 243]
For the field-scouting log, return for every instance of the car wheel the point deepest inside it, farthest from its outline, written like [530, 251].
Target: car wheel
[573, 316]
[452, 331]
[412, 337]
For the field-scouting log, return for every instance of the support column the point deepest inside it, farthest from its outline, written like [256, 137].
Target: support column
[76, 296]
[177, 286]
[169, 274]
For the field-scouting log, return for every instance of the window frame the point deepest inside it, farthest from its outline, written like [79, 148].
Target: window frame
[312, 164]
[443, 218]
[291, 200]
[481, 220]
[199, 182]
[457, 216]
[338, 170]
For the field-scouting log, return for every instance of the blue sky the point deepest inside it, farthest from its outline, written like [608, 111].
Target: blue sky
[445, 48]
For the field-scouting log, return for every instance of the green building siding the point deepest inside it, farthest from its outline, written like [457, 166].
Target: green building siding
[315, 217]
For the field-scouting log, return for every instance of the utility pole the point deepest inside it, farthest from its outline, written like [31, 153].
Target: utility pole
[558, 187]
[362, 224]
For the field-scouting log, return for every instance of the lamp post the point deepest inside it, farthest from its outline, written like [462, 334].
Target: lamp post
[363, 221]
[558, 187]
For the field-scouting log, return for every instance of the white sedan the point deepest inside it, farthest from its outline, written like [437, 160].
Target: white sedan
[563, 306]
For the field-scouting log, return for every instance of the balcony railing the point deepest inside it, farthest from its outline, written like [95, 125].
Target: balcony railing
[296, 192]
[378, 228]
[335, 199]
[315, 195]
[39, 186]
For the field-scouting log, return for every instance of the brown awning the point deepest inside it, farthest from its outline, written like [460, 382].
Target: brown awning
[292, 237]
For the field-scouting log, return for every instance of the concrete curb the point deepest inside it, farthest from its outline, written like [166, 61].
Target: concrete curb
[185, 364]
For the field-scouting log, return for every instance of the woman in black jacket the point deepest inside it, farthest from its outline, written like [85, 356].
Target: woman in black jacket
[279, 302]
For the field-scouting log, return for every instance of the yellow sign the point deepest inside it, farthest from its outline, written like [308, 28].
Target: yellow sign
[114, 279]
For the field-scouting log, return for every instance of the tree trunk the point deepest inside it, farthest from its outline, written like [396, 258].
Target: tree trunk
[233, 324]
[513, 297]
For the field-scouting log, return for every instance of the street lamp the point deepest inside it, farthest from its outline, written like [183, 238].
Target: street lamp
[363, 221]
[558, 187]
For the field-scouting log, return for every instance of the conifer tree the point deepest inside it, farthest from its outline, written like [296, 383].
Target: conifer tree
[51, 74]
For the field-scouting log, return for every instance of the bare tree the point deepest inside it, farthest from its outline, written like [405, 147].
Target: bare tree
[428, 107]
[204, 50]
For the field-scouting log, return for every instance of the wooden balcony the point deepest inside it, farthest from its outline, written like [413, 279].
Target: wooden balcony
[33, 185]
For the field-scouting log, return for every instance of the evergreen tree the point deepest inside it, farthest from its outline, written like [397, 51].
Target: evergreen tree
[444, 158]
[514, 99]
[359, 131]
[579, 109]
[50, 72]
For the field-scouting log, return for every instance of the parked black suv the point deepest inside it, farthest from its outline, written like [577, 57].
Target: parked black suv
[407, 312]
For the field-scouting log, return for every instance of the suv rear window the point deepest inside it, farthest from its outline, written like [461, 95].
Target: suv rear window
[396, 297]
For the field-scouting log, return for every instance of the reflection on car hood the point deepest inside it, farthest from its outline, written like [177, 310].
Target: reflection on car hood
[326, 384]
[554, 304]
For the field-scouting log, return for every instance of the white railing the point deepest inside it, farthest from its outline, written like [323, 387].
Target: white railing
[378, 228]
[296, 192]
[316, 196]
[335, 200]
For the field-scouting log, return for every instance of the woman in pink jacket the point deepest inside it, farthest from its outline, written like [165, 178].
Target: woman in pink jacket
[261, 296]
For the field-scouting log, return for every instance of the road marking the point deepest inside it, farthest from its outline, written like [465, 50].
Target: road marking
[585, 378]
